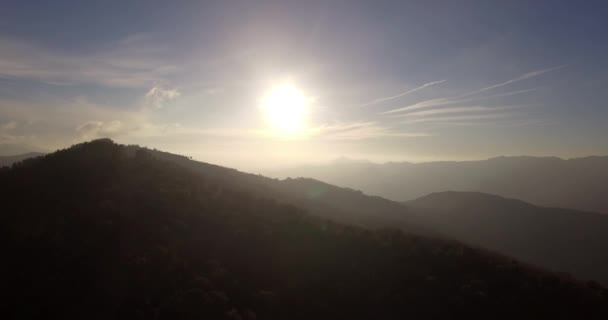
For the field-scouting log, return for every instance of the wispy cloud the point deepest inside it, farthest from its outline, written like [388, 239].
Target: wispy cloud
[504, 121]
[130, 63]
[8, 126]
[6, 134]
[95, 129]
[447, 101]
[433, 112]
[520, 78]
[465, 109]
[50, 122]
[460, 118]
[361, 131]
[500, 95]
[384, 99]
[459, 99]
[421, 105]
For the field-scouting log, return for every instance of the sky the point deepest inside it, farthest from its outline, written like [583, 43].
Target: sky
[383, 80]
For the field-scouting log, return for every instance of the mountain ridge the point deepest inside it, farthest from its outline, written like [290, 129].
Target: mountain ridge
[116, 234]
[546, 181]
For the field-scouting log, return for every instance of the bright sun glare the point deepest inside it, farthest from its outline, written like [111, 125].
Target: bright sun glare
[286, 109]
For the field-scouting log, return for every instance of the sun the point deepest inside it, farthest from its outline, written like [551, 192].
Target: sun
[285, 108]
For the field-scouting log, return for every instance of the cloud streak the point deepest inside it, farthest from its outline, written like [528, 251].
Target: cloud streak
[384, 99]
[466, 109]
[433, 112]
[457, 118]
[362, 131]
[447, 101]
[421, 105]
[525, 76]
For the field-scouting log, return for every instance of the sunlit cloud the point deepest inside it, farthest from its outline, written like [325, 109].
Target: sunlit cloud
[15, 139]
[6, 134]
[52, 122]
[158, 97]
[97, 129]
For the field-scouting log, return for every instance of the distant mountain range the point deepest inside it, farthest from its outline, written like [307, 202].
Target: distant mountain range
[547, 181]
[9, 160]
[10, 149]
[102, 231]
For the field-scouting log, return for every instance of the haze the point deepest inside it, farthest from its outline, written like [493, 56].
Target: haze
[248, 160]
[383, 81]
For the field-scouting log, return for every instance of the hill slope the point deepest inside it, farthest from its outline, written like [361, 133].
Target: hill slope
[98, 232]
[548, 181]
[561, 239]
[322, 199]
[486, 221]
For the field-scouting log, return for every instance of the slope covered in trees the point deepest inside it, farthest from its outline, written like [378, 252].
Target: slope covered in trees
[103, 231]
[568, 241]
[319, 198]
[560, 239]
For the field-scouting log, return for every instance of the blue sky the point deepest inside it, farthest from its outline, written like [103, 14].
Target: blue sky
[387, 80]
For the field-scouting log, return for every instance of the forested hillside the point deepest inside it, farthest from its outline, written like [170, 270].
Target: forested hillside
[341, 204]
[103, 231]
[560, 239]
[546, 237]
